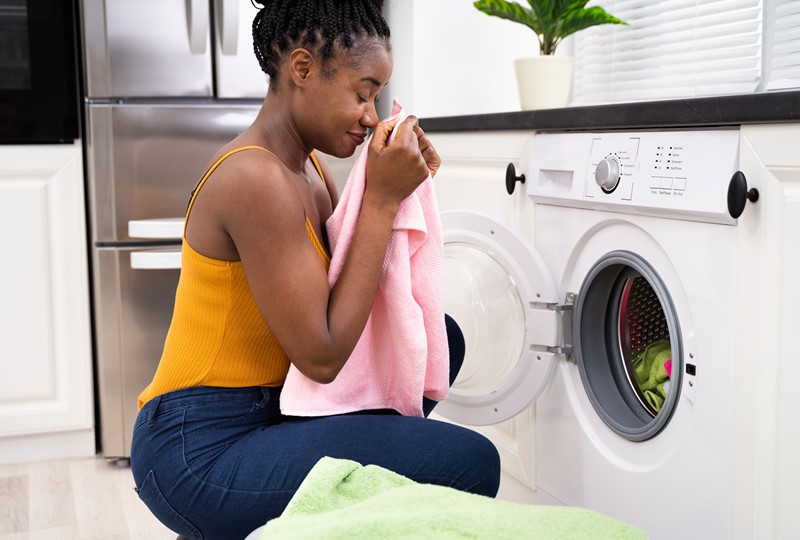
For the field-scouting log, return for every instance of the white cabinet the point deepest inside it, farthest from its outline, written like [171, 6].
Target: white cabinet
[766, 433]
[46, 398]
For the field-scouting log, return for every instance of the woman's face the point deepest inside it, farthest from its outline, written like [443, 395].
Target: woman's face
[340, 103]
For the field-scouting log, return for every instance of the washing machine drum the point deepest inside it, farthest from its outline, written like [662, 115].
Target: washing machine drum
[627, 345]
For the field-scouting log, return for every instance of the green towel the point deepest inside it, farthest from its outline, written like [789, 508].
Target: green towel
[651, 372]
[342, 499]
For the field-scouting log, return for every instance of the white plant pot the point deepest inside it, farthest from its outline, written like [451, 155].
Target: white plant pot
[544, 82]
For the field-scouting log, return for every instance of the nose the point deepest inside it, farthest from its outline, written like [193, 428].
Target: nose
[369, 118]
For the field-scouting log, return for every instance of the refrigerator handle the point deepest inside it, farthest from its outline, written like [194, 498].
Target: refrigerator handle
[171, 228]
[197, 19]
[229, 29]
[166, 259]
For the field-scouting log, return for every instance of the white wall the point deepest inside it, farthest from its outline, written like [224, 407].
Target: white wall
[451, 59]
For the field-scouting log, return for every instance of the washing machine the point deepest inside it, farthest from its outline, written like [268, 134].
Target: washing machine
[594, 279]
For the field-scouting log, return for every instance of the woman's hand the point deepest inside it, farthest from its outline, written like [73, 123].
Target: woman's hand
[395, 170]
[429, 153]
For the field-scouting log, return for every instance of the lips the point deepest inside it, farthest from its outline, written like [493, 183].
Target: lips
[358, 137]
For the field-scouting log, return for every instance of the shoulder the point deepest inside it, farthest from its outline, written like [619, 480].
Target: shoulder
[254, 185]
[252, 171]
[249, 161]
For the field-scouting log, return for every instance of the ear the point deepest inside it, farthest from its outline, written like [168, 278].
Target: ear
[301, 63]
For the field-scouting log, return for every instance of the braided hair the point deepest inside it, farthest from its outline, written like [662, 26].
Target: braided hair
[318, 25]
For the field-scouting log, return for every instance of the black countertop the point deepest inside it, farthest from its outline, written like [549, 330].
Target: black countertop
[766, 107]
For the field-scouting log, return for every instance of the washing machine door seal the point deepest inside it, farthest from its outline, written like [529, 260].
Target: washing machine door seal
[500, 292]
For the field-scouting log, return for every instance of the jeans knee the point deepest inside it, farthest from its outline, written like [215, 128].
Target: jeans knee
[478, 463]
[487, 464]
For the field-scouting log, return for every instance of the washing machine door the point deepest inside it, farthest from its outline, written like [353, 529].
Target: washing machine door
[502, 296]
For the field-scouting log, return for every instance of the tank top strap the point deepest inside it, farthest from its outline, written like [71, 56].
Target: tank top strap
[317, 167]
[210, 170]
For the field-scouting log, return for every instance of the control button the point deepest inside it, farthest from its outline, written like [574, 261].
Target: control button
[666, 182]
[607, 174]
[679, 183]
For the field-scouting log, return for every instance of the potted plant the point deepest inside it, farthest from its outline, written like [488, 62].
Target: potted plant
[545, 81]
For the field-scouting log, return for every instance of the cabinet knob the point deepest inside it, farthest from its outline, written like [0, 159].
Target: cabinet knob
[512, 178]
[738, 194]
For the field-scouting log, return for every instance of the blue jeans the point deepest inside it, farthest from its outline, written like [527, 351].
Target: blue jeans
[216, 463]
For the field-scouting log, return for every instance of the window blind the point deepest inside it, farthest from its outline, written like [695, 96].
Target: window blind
[671, 48]
[783, 45]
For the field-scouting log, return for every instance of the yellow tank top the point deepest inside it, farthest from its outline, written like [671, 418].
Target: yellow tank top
[217, 336]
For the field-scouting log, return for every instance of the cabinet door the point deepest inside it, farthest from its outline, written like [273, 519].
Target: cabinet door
[45, 345]
[766, 437]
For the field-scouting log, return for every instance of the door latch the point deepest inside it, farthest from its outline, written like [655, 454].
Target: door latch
[564, 312]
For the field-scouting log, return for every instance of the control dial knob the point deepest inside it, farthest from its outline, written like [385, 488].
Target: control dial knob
[607, 174]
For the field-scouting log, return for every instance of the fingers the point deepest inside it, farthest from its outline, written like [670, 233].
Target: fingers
[382, 131]
[406, 130]
[428, 151]
[424, 142]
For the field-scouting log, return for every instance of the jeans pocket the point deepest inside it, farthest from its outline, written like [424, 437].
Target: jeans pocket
[203, 418]
[152, 497]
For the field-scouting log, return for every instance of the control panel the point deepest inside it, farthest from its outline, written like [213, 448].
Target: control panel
[682, 174]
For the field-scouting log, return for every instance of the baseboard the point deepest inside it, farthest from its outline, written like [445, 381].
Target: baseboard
[47, 446]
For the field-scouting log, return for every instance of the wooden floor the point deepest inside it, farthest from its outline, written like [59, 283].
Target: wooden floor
[74, 499]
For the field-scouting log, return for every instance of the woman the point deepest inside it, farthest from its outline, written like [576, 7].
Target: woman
[212, 456]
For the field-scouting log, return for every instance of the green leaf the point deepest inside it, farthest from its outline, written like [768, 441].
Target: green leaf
[565, 6]
[546, 14]
[579, 19]
[551, 20]
[510, 11]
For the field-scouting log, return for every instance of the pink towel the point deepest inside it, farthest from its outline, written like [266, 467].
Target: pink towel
[402, 354]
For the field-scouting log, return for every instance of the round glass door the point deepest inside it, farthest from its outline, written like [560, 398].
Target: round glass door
[483, 300]
[499, 292]
[627, 345]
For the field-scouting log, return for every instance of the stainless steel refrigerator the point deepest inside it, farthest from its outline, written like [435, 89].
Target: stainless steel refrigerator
[167, 83]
